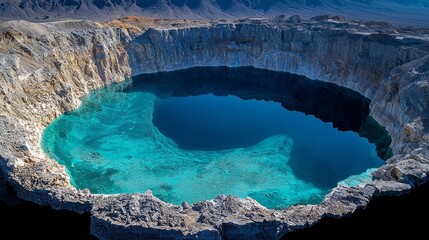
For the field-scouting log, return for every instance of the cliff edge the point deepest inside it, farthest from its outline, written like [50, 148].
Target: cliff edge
[46, 68]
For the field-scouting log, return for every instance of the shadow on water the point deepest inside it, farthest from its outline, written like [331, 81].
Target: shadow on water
[386, 217]
[346, 109]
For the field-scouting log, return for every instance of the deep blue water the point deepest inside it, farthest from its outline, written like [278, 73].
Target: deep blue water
[194, 134]
[209, 122]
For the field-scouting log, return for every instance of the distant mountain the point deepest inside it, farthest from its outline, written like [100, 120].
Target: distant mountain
[411, 12]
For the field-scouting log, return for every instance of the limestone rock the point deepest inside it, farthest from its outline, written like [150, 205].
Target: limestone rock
[390, 188]
[46, 68]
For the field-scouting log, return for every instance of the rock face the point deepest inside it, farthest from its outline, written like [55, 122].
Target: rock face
[47, 67]
[324, 51]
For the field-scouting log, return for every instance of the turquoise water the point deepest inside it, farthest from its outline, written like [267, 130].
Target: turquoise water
[138, 136]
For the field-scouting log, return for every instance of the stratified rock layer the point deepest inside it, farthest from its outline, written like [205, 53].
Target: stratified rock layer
[46, 68]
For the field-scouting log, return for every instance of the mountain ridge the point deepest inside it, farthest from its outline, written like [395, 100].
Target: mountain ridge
[404, 12]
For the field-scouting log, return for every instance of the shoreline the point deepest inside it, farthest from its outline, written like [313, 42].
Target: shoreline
[44, 79]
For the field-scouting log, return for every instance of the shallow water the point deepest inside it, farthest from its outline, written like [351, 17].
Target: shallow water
[188, 137]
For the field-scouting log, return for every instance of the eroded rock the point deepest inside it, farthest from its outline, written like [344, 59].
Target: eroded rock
[46, 68]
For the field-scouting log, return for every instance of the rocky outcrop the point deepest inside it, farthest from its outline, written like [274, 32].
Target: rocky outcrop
[359, 58]
[47, 68]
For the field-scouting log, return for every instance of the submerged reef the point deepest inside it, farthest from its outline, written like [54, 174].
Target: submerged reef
[46, 68]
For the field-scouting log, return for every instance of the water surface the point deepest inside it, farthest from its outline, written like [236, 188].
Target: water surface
[194, 134]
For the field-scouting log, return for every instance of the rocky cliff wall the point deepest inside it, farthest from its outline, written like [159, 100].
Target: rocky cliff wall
[356, 57]
[47, 68]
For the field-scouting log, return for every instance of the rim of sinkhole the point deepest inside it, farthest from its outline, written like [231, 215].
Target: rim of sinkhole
[293, 92]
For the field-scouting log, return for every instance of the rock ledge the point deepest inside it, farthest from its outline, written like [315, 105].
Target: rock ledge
[46, 68]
